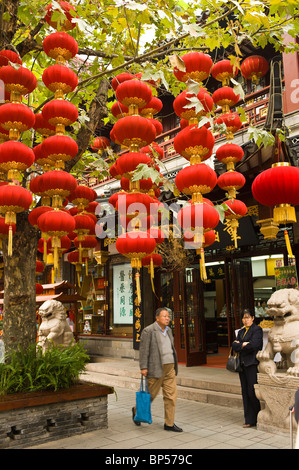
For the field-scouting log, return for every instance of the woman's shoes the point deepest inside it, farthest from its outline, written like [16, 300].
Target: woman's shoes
[249, 425]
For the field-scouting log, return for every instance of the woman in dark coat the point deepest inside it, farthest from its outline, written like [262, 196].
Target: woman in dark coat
[249, 341]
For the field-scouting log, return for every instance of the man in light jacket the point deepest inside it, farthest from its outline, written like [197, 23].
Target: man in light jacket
[158, 362]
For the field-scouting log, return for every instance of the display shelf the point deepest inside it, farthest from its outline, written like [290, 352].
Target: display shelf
[222, 332]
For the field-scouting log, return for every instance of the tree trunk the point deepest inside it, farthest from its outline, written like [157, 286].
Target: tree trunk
[19, 315]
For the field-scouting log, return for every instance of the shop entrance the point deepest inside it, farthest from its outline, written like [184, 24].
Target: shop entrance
[180, 292]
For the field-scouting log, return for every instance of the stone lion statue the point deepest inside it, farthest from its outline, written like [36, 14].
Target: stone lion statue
[54, 329]
[284, 335]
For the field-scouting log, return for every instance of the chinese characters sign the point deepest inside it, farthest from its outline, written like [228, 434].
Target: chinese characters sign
[286, 276]
[122, 294]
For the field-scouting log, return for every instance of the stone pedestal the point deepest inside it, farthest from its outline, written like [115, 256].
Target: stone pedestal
[276, 394]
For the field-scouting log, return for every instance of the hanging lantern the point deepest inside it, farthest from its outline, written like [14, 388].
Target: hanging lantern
[127, 163]
[231, 181]
[236, 209]
[133, 204]
[232, 122]
[226, 98]
[38, 289]
[119, 110]
[42, 126]
[39, 267]
[277, 187]
[152, 108]
[196, 180]
[134, 132]
[66, 24]
[15, 158]
[17, 82]
[16, 118]
[59, 149]
[223, 71]
[7, 56]
[122, 77]
[58, 185]
[194, 143]
[36, 212]
[40, 159]
[197, 67]
[82, 196]
[134, 94]
[100, 144]
[153, 150]
[60, 46]
[60, 80]
[60, 113]
[13, 199]
[209, 239]
[254, 68]
[181, 105]
[199, 218]
[229, 154]
[135, 246]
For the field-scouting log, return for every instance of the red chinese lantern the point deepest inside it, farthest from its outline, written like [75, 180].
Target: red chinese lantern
[16, 118]
[197, 67]
[42, 126]
[152, 261]
[60, 80]
[153, 150]
[134, 132]
[133, 204]
[191, 113]
[65, 243]
[194, 143]
[223, 71]
[38, 289]
[17, 82]
[39, 267]
[13, 199]
[59, 149]
[56, 224]
[7, 56]
[134, 94]
[82, 196]
[152, 108]
[229, 154]
[208, 238]
[127, 163]
[100, 143]
[232, 122]
[60, 113]
[234, 210]
[40, 159]
[60, 46]
[58, 185]
[196, 180]
[254, 67]
[231, 181]
[15, 157]
[119, 110]
[157, 125]
[67, 24]
[36, 212]
[135, 246]
[113, 199]
[122, 77]
[74, 258]
[226, 98]
[277, 187]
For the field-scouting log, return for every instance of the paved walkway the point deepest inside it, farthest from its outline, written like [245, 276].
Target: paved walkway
[205, 426]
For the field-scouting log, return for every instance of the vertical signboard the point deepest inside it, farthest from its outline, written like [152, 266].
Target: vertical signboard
[122, 294]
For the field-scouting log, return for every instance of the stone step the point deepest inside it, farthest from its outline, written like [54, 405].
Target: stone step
[217, 393]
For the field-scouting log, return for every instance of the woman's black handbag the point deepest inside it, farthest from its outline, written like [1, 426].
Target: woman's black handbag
[233, 363]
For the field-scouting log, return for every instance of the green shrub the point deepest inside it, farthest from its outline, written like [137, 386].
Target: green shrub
[32, 370]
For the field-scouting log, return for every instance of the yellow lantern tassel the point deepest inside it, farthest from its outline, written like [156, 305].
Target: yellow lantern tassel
[56, 258]
[80, 252]
[9, 249]
[78, 277]
[86, 268]
[152, 274]
[288, 244]
[203, 272]
[137, 279]
[52, 276]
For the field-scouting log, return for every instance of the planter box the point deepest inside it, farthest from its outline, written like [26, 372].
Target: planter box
[32, 418]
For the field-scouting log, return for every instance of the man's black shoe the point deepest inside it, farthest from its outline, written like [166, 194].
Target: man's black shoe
[133, 414]
[174, 428]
